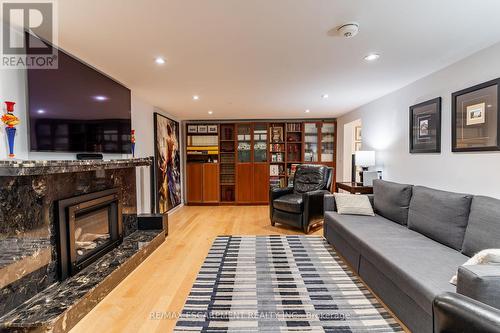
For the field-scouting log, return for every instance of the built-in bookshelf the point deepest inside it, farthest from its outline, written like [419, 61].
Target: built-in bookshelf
[227, 175]
[252, 156]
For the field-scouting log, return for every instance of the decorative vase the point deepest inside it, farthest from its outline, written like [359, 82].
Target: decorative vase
[10, 106]
[11, 133]
[132, 141]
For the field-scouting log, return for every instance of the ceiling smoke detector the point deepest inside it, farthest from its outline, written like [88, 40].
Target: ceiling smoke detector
[348, 30]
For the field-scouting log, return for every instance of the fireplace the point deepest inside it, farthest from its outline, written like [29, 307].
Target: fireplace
[90, 225]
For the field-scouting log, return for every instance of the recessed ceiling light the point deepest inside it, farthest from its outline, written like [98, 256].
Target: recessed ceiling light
[196, 97]
[160, 60]
[100, 98]
[324, 96]
[372, 57]
[307, 111]
[210, 112]
[41, 111]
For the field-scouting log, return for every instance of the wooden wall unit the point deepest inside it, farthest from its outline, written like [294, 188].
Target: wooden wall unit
[251, 157]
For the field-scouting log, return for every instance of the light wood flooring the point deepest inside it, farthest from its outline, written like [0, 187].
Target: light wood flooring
[163, 281]
[161, 284]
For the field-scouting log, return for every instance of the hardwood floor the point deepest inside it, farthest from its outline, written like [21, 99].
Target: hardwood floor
[161, 284]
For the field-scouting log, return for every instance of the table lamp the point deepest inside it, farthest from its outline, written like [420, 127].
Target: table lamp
[364, 159]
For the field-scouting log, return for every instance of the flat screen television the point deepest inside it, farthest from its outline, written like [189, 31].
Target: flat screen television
[77, 109]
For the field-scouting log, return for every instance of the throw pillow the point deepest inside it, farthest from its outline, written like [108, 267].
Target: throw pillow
[353, 204]
[481, 258]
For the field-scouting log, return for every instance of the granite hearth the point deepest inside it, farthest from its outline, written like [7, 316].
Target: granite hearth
[31, 289]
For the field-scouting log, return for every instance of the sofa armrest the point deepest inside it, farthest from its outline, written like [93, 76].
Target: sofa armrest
[480, 282]
[275, 193]
[313, 205]
[457, 313]
[329, 204]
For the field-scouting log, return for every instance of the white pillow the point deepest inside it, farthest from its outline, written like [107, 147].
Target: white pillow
[481, 258]
[353, 204]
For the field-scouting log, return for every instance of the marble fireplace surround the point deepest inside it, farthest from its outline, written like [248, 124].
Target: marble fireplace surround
[32, 298]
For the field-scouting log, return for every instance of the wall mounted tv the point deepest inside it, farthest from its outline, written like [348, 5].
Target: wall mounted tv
[78, 109]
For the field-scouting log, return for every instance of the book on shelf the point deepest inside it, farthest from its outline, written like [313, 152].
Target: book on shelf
[277, 182]
[293, 127]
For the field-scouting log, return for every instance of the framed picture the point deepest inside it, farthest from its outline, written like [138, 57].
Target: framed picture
[212, 128]
[425, 127]
[167, 167]
[192, 129]
[476, 118]
[276, 134]
[357, 133]
[202, 129]
[357, 146]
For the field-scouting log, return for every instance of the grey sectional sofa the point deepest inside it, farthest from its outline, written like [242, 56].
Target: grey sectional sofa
[408, 252]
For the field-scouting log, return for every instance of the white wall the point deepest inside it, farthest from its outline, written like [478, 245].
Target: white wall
[13, 88]
[386, 130]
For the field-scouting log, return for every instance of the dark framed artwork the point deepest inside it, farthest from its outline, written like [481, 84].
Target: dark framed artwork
[475, 118]
[167, 170]
[425, 127]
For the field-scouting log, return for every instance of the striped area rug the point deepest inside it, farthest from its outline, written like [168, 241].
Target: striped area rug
[280, 284]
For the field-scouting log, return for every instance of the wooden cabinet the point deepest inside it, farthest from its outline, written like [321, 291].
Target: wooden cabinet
[194, 182]
[244, 183]
[261, 183]
[202, 182]
[252, 168]
[210, 182]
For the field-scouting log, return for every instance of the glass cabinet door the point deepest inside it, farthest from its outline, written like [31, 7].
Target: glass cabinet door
[327, 142]
[260, 143]
[244, 143]
[310, 142]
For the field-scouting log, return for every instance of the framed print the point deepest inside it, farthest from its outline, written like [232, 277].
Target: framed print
[202, 129]
[357, 133]
[276, 134]
[167, 167]
[425, 127]
[357, 146]
[212, 128]
[192, 129]
[475, 118]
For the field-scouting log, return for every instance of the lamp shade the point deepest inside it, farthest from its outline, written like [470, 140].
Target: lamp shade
[365, 158]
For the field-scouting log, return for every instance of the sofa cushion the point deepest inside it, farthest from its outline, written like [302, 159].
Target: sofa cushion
[440, 215]
[392, 200]
[483, 229]
[291, 203]
[419, 266]
[353, 204]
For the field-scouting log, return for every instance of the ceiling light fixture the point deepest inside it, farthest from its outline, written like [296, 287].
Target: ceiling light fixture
[41, 111]
[210, 112]
[307, 111]
[324, 96]
[372, 57]
[100, 98]
[160, 60]
[196, 97]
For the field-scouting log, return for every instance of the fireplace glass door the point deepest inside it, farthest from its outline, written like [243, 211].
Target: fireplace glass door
[91, 232]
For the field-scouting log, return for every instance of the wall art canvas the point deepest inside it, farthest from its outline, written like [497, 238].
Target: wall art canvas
[475, 118]
[167, 189]
[425, 127]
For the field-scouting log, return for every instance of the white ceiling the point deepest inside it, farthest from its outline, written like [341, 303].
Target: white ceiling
[271, 58]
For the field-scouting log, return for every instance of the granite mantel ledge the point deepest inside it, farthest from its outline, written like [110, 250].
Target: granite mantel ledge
[32, 167]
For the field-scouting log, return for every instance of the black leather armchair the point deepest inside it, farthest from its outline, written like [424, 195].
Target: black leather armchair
[454, 312]
[301, 206]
